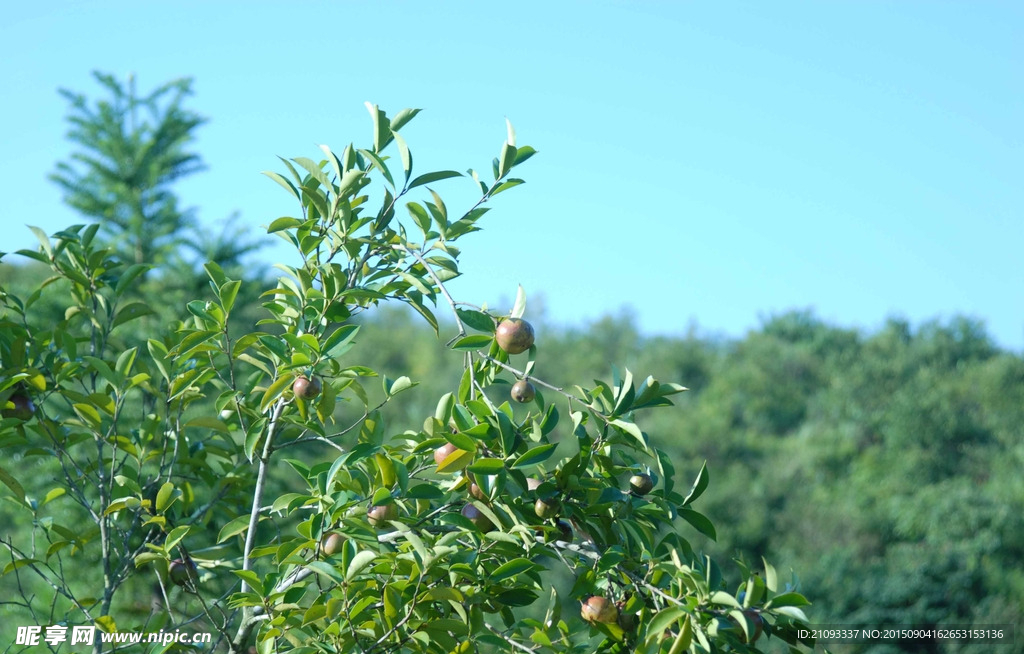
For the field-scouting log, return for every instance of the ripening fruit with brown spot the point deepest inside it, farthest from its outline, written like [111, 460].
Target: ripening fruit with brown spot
[514, 335]
[306, 388]
[523, 391]
[641, 484]
[477, 517]
[599, 609]
[379, 515]
[182, 572]
[443, 452]
[331, 543]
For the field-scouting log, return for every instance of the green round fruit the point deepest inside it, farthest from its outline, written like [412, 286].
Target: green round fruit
[514, 335]
[306, 388]
[641, 484]
[523, 391]
[599, 609]
[546, 509]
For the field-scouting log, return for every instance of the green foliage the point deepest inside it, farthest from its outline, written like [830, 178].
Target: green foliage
[189, 444]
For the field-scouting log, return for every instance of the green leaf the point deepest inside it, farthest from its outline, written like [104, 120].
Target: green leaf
[340, 341]
[165, 497]
[381, 127]
[174, 536]
[699, 522]
[519, 308]
[402, 118]
[477, 320]
[487, 466]
[631, 429]
[44, 240]
[282, 224]
[787, 599]
[416, 283]
[771, 579]
[535, 455]
[314, 170]
[359, 563]
[403, 152]
[723, 598]
[683, 640]
[275, 391]
[251, 578]
[455, 461]
[472, 342]
[130, 275]
[379, 163]
[228, 293]
[435, 176]
[327, 570]
[662, 621]
[523, 153]
[419, 216]
[13, 484]
[511, 569]
[285, 183]
[233, 528]
[792, 612]
[397, 386]
[700, 484]
[129, 312]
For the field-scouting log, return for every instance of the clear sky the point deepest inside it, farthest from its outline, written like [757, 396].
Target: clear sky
[710, 162]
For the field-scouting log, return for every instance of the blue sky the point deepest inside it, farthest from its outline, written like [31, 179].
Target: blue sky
[705, 163]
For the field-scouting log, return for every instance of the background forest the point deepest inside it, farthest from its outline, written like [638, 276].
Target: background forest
[883, 468]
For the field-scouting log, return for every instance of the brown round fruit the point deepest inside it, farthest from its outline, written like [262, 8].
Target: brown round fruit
[182, 573]
[379, 515]
[477, 518]
[547, 508]
[23, 408]
[514, 335]
[599, 609]
[331, 543]
[523, 391]
[641, 484]
[443, 452]
[477, 492]
[306, 388]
